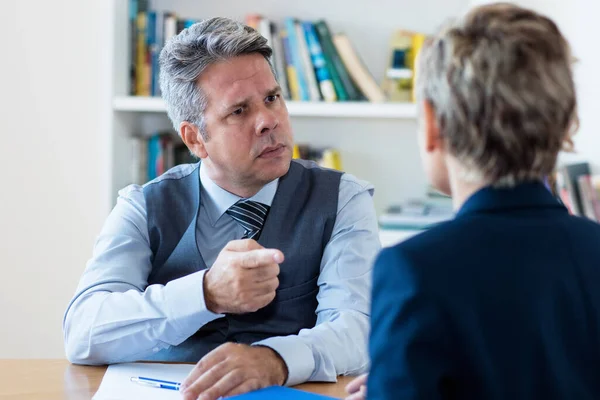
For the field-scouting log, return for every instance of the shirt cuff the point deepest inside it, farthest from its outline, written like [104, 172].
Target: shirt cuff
[185, 301]
[296, 354]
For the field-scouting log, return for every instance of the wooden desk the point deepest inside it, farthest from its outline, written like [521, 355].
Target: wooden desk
[57, 379]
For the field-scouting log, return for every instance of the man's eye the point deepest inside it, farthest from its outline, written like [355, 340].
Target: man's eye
[238, 111]
[272, 98]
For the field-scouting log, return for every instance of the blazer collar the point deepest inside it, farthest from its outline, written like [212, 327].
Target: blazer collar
[525, 195]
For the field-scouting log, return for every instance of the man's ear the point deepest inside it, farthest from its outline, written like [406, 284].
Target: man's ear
[433, 140]
[193, 139]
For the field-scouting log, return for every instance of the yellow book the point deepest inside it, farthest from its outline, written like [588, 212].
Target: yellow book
[418, 40]
[331, 159]
[142, 66]
[296, 152]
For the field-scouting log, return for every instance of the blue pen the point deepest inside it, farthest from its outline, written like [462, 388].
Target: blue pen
[156, 383]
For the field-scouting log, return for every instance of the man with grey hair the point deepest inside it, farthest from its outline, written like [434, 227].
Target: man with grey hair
[502, 302]
[252, 264]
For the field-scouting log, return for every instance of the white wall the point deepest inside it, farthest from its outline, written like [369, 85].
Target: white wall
[579, 23]
[53, 162]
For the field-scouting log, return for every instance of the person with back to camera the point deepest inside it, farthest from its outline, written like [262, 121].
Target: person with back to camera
[502, 302]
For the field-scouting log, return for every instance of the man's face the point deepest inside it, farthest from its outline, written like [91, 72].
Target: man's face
[249, 139]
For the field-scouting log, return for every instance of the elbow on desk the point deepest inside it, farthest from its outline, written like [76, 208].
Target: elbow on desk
[78, 345]
[79, 351]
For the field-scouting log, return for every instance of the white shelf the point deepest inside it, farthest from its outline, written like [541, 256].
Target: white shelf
[296, 108]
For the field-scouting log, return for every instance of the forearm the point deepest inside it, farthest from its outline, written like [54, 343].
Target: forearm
[116, 322]
[336, 346]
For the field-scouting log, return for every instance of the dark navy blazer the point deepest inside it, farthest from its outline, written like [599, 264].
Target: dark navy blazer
[503, 302]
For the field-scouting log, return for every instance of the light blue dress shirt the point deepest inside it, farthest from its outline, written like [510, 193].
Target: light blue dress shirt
[115, 316]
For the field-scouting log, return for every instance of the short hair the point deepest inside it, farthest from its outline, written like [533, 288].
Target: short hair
[187, 55]
[500, 81]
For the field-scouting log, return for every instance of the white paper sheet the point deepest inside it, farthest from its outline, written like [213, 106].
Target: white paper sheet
[116, 384]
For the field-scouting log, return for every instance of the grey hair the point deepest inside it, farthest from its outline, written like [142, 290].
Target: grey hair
[500, 81]
[187, 55]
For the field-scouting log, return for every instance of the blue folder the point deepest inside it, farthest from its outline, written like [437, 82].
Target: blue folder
[280, 393]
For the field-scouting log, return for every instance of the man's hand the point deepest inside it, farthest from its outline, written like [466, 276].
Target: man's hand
[243, 278]
[232, 369]
[357, 389]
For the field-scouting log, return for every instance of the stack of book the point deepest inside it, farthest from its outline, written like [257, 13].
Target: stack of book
[326, 157]
[418, 214]
[311, 62]
[149, 31]
[154, 155]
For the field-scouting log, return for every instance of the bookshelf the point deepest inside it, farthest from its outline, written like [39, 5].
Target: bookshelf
[295, 108]
[377, 141]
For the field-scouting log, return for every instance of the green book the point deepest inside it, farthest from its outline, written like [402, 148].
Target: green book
[342, 82]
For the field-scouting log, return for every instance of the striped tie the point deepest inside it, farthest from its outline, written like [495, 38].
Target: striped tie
[250, 215]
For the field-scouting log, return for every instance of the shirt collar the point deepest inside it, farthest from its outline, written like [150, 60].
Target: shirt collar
[217, 200]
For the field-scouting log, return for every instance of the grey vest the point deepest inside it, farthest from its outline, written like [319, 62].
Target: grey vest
[299, 223]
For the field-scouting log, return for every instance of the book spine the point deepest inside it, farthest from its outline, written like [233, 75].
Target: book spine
[589, 198]
[318, 60]
[279, 61]
[417, 44]
[188, 22]
[153, 51]
[150, 49]
[307, 65]
[170, 27]
[345, 83]
[296, 59]
[152, 157]
[133, 11]
[264, 28]
[357, 70]
[141, 67]
[290, 69]
[180, 25]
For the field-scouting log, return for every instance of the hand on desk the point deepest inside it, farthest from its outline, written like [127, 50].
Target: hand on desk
[357, 389]
[232, 369]
[243, 278]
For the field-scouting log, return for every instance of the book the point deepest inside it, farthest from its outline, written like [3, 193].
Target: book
[418, 41]
[152, 51]
[142, 66]
[139, 160]
[296, 59]
[398, 80]
[357, 70]
[318, 60]
[307, 65]
[264, 28]
[290, 70]
[326, 157]
[347, 91]
[279, 60]
[415, 214]
[589, 198]
[253, 21]
[567, 180]
[169, 27]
